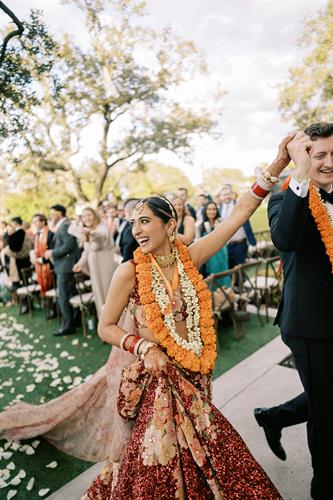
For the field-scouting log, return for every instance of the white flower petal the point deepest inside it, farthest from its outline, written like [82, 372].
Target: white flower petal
[52, 465]
[11, 494]
[30, 484]
[35, 443]
[16, 480]
[30, 388]
[7, 454]
[43, 492]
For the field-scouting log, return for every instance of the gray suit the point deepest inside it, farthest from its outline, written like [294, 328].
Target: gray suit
[65, 253]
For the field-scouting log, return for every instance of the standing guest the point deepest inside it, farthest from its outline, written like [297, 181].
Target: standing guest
[149, 409]
[102, 212]
[183, 194]
[219, 261]
[125, 243]
[3, 227]
[64, 254]
[185, 222]
[238, 243]
[121, 212]
[42, 241]
[203, 199]
[112, 220]
[19, 246]
[300, 219]
[97, 257]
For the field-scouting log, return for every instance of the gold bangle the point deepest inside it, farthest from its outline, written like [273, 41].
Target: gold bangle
[270, 178]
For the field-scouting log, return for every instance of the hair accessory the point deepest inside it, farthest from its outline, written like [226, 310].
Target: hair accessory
[139, 207]
[172, 209]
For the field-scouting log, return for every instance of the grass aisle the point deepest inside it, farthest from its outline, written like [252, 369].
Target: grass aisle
[36, 367]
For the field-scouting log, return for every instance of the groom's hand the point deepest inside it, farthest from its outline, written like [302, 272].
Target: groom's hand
[299, 149]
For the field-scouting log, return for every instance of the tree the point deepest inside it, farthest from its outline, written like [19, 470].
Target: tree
[123, 84]
[26, 60]
[16, 32]
[215, 178]
[307, 96]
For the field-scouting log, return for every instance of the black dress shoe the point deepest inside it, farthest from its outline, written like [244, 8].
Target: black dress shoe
[60, 333]
[273, 434]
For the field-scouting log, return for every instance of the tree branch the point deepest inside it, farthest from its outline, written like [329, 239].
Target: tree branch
[10, 35]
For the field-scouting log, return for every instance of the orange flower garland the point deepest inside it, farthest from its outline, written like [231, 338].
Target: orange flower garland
[322, 219]
[204, 363]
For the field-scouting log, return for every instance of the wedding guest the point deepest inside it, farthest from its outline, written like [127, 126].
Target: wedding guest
[239, 242]
[64, 254]
[97, 258]
[43, 240]
[219, 261]
[18, 250]
[183, 194]
[125, 243]
[185, 223]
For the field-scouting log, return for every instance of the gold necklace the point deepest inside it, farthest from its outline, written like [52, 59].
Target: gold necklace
[166, 260]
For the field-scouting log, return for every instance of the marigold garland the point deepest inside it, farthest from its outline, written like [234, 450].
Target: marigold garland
[203, 363]
[322, 219]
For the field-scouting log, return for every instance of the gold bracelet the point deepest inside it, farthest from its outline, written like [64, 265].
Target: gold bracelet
[270, 178]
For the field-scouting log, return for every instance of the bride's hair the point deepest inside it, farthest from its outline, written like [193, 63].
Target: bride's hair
[160, 206]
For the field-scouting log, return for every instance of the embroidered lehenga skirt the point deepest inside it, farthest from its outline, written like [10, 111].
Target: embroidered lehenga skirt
[181, 446]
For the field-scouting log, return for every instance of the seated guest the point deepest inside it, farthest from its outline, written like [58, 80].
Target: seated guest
[18, 250]
[185, 224]
[219, 261]
[97, 257]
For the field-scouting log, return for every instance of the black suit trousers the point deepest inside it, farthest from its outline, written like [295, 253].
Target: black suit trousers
[66, 290]
[292, 412]
[314, 362]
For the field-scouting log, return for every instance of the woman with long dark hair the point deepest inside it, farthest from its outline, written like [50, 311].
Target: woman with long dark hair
[219, 261]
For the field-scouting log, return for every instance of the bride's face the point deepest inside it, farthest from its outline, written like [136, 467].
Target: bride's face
[150, 231]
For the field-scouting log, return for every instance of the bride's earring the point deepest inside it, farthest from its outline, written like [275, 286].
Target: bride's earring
[172, 236]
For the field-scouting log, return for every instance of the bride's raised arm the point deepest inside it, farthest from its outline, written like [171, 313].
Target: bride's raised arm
[204, 248]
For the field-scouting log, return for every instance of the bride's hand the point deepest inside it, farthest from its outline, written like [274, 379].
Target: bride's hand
[282, 159]
[155, 361]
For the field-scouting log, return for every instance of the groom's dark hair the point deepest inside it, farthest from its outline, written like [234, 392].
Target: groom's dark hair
[319, 130]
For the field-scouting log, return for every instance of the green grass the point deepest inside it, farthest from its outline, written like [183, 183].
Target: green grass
[25, 344]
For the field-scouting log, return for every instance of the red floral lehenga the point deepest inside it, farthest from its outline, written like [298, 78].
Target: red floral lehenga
[161, 437]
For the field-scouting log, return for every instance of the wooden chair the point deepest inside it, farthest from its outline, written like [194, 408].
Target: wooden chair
[248, 290]
[264, 247]
[29, 290]
[270, 283]
[51, 296]
[84, 300]
[225, 301]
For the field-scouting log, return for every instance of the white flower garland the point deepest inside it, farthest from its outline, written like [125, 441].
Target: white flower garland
[194, 342]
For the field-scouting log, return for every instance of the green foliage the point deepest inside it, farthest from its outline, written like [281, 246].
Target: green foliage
[27, 59]
[307, 96]
[122, 85]
[214, 178]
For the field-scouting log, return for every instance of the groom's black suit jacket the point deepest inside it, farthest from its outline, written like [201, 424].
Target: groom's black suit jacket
[307, 301]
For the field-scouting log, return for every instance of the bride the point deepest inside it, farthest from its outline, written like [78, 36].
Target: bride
[148, 411]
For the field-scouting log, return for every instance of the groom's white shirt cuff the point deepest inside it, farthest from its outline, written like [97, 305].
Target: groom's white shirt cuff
[299, 188]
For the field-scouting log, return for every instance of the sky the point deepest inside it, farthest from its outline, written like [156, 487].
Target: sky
[249, 46]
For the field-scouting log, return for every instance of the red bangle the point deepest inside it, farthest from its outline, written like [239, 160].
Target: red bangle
[133, 344]
[259, 191]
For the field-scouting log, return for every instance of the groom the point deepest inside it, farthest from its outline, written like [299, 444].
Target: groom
[301, 222]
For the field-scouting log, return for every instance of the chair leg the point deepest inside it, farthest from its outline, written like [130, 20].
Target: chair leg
[29, 300]
[84, 326]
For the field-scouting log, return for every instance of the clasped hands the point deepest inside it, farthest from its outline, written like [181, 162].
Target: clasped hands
[299, 150]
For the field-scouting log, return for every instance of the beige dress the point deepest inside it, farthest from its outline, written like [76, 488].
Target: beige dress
[97, 260]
